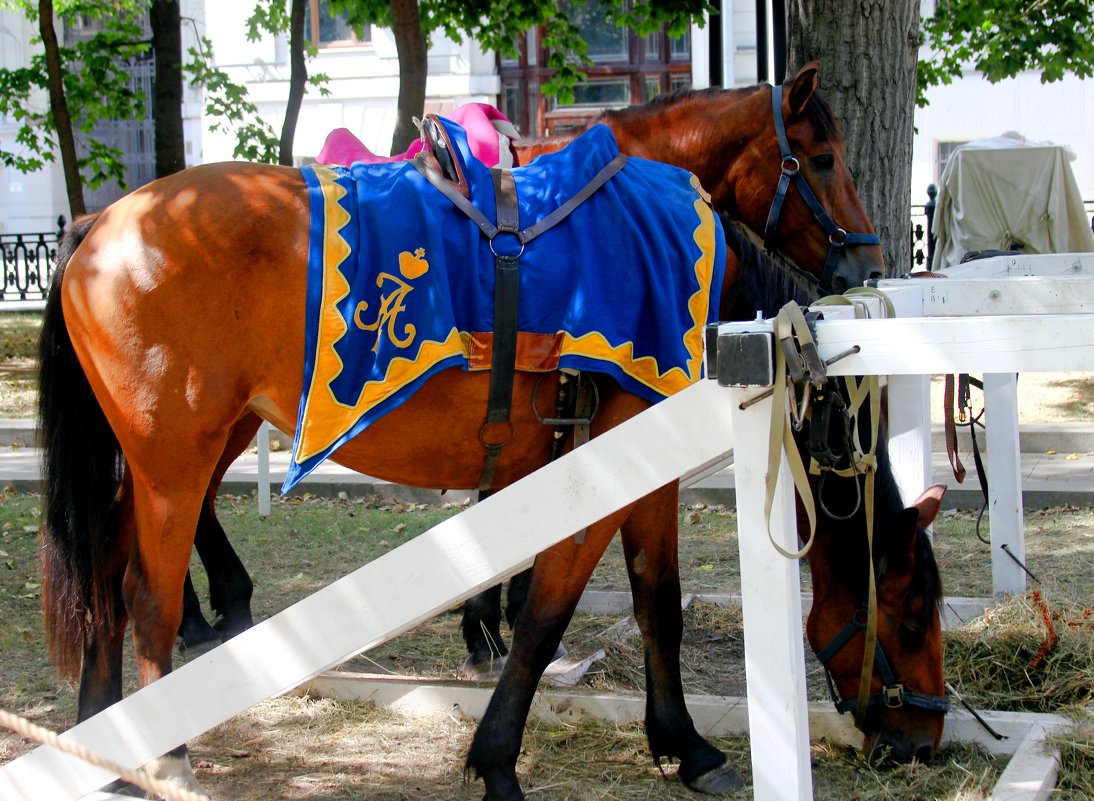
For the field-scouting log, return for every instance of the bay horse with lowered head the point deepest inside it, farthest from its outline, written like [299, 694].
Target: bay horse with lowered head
[142, 360]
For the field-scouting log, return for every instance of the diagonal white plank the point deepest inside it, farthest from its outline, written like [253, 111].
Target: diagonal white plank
[436, 570]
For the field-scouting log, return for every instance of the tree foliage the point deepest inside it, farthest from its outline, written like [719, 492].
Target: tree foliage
[97, 87]
[1001, 38]
[497, 24]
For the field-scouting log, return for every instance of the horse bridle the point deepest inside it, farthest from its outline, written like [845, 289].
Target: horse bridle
[838, 237]
[893, 695]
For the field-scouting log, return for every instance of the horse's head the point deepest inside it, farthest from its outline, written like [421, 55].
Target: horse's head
[907, 701]
[792, 186]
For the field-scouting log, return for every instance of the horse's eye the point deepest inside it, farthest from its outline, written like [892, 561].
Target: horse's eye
[825, 161]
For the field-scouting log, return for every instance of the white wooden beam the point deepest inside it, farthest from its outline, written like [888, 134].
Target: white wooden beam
[432, 572]
[1030, 772]
[1042, 264]
[960, 345]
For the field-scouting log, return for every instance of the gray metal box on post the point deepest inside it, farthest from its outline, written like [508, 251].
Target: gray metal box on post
[741, 354]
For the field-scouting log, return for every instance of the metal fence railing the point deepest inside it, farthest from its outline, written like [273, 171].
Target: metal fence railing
[27, 264]
[28, 259]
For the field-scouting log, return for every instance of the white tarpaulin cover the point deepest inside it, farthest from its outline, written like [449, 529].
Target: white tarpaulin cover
[1009, 193]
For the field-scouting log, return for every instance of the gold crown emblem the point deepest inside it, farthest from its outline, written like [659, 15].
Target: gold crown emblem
[412, 265]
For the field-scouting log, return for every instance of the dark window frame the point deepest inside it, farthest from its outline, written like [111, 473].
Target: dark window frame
[540, 116]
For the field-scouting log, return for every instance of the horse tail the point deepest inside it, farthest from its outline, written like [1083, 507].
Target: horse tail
[81, 475]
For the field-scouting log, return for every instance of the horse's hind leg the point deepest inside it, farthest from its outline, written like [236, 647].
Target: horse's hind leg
[650, 547]
[481, 628]
[164, 517]
[480, 625]
[558, 578]
[195, 636]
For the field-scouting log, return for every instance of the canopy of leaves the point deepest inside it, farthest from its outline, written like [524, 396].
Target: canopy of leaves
[1001, 38]
[97, 87]
[496, 24]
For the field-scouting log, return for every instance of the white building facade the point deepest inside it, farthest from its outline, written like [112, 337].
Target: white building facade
[364, 83]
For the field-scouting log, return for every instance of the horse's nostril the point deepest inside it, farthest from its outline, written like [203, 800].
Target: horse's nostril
[876, 275]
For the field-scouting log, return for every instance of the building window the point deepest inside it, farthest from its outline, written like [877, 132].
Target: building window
[603, 93]
[680, 47]
[627, 68]
[324, 28]
[653, 47]
[606, 40]
[945, 150]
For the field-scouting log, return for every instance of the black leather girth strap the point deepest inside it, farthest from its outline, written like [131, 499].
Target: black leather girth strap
[498, 429]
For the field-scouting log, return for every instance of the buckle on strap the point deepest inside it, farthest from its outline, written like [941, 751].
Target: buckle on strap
[893, 695]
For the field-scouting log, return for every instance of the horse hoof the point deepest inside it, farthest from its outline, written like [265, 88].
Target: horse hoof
[482, 669]
[720, 781]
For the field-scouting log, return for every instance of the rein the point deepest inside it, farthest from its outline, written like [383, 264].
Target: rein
[838, 237]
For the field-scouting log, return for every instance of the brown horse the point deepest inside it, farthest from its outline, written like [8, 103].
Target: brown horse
[174, 325]
[747, 151]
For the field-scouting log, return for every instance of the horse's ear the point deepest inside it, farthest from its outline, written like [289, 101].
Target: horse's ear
[929, 503]
[805, 83]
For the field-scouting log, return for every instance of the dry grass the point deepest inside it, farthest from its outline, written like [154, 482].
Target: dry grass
[316, 749]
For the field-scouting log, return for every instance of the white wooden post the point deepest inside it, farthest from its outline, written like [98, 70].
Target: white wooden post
[910, 433]
[264, 469]
[909, 404]
[1004, 466]
[778, 718]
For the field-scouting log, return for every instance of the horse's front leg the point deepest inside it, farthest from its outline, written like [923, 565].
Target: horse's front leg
[230, 588]
[650, 546]
[558, 578]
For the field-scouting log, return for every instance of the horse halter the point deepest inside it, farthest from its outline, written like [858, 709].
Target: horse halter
[892, 695]
[838, 237]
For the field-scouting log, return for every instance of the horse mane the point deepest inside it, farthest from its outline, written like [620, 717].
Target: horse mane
[766, 281]
[817, 109]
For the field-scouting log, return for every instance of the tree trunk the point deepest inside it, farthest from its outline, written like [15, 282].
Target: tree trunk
[410, 42]
[298, 78]
[58, 107]
[868, 61]
[167, 92]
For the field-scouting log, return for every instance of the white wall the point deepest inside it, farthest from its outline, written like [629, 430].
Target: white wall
[972, 108]
[364, 83]
[28, 202]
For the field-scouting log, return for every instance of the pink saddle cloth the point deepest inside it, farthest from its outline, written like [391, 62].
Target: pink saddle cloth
[488, 135]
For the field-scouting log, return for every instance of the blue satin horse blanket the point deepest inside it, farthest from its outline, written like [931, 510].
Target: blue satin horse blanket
[400, 282]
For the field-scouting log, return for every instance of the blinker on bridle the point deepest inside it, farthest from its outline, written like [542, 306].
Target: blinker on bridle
[838, 237]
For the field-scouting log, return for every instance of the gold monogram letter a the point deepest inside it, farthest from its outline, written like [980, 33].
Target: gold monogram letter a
[411, 265]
